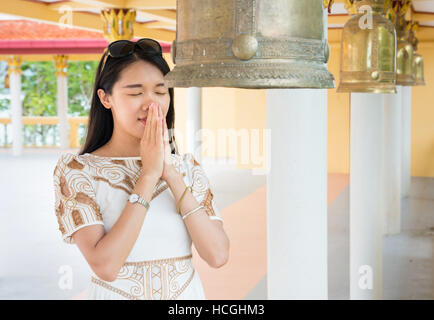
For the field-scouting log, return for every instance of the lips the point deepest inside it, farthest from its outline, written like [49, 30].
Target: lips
[142, 120]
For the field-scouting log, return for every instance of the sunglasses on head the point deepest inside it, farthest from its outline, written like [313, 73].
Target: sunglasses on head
[123, 48]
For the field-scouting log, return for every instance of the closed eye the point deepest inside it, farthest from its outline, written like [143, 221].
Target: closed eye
[138, 94]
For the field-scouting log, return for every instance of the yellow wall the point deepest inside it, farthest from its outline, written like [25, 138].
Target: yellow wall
[338, 107]
[422, 118]
[240, 109]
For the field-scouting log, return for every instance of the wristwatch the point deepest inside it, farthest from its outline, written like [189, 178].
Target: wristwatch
[133, 198]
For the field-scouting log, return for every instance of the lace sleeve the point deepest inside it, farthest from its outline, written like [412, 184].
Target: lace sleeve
[75, 204]
[201, 188]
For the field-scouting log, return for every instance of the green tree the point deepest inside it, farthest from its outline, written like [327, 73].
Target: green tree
[81, 76]
[38, 83]
[4, 93]
[39, 92]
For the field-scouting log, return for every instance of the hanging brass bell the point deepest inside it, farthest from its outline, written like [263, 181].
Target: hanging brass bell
[368, 50]
[418, 67]
[251, 44]
[404, 56]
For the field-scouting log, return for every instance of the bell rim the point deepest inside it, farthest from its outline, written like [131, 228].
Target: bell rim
[345, 88]
[322, 78]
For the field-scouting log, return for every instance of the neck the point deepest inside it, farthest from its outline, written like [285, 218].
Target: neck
[121, 144]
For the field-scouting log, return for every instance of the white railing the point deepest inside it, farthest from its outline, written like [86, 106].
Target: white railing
[42, 132]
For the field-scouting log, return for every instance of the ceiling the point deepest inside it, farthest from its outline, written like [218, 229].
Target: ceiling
[157, 18]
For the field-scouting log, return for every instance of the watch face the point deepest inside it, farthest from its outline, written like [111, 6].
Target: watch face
[134, 197]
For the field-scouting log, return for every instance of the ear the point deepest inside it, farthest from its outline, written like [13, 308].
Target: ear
[104, 98]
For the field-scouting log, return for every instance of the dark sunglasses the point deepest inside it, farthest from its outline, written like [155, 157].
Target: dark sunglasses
[123, 48]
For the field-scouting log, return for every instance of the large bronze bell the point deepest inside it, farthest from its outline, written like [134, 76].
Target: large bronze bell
[368, 49]
[404, 56]
[250, 44]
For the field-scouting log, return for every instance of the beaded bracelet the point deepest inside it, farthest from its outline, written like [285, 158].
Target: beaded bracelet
[192, 211]
[179, 202]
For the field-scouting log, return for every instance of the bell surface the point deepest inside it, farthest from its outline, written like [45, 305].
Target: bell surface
[250, 44]
[404, 54]
[418, 66]
[368, 51]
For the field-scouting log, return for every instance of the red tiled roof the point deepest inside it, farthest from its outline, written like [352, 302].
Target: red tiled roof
[29, 37]
[30, 30]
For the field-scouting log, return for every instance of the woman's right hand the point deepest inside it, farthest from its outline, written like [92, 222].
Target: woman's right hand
[151, 144]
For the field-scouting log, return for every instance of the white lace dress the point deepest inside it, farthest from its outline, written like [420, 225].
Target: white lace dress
[91, 190]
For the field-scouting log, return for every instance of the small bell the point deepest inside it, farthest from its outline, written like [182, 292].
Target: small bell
[368, 50]
[404, 56]
[418, 67]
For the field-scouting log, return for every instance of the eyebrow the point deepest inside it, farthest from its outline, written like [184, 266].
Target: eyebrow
[138, 85]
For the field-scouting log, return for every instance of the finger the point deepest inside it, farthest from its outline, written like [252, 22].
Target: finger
[169, 148]
[167, 144]
[153, 123]
[159, 111]
[166, 132]
[159, 138]
[147, 133]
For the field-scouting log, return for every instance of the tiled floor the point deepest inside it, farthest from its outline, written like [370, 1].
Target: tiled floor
[32, 259]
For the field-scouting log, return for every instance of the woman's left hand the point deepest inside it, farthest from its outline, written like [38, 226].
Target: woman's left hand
[168, 168]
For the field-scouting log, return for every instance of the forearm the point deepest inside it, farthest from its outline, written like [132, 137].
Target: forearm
[116, 245]
[208, 237]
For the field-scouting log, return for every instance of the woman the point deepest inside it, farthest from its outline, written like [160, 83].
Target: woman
[131, 202]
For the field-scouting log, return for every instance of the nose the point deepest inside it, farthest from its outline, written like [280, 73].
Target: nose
[146, 103]
[146, 100]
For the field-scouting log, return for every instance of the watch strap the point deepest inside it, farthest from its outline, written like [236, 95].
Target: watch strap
[140, 200]
[143, 202]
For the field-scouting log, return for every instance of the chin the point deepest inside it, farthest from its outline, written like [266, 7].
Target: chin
[138, 133]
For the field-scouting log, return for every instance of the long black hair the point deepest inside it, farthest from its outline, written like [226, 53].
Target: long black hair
[100, 124]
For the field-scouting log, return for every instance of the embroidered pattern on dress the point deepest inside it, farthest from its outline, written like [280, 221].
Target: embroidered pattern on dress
[123, 175]
[115, 186]
[207, 203]
[75, 204]
[152, 279]
[200, 187]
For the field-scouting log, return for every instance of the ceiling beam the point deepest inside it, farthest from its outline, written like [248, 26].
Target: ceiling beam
[151, 4]
[136, 4]
[50, 57]
[158, 24]
[161, 15]
[103, 3]
[338, 18]
[167, 17]
[71, 5]
[422, 16]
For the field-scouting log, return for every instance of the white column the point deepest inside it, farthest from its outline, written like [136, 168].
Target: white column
[392, 123]
[194, 121]
[365, 195]
[406, 142]
[297, 194]
[14, 69]
[62, 100]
